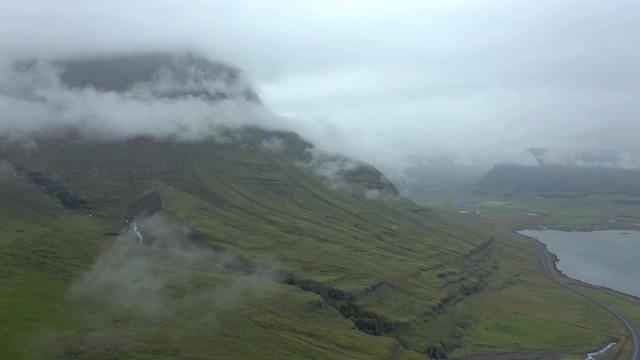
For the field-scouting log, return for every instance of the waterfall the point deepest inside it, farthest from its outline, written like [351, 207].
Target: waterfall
[140, 239]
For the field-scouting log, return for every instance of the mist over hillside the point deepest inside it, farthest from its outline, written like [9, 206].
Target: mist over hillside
[190, 211]
[585, 158]
[262, 207]
[167, 95]
[389, 82]
[182, 97]
[163, 75]
[295, 180]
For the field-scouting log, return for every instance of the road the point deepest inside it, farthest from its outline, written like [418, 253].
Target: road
[633, 334]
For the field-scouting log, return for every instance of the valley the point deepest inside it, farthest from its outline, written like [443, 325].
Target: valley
[574, 212]
[187, 225]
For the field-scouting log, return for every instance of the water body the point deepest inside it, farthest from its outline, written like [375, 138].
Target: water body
[609, 258]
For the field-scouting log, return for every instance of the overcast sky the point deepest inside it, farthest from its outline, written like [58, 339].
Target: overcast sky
[389, 81]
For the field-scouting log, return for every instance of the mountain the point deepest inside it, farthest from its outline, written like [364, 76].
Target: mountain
[249, 243]
[562, 179]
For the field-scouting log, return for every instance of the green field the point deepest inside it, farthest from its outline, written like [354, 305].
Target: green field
[583, 212]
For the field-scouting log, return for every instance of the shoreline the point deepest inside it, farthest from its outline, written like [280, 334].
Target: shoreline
[542, 257]
[556, 259]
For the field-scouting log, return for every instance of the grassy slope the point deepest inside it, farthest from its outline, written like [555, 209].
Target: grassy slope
[508, 209]
[435, 284]
[44, 253]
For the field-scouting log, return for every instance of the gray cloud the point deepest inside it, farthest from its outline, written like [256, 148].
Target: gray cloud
[476, 82]
[40, 102]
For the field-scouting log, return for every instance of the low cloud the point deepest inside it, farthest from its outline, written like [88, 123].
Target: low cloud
[132, 277]
[585, 158]
[330, 168]
[340, 172]
[382, 82]
[41, 103]
[274, 144]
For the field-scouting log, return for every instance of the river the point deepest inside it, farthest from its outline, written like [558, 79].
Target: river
[609, 258]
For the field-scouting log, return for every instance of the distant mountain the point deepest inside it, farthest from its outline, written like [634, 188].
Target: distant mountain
[421, 178]
[562, 179]
[584, 158]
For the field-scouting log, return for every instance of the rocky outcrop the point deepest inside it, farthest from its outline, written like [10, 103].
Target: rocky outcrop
[56, 189]
[347, 304]
[147, 205]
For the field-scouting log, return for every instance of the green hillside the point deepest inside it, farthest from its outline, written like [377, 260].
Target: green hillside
[256, 251]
